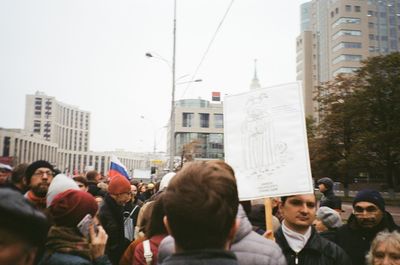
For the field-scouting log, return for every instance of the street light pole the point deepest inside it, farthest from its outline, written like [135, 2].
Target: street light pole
[172, 118]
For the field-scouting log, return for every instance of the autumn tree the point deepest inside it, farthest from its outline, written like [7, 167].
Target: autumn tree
[359, 126]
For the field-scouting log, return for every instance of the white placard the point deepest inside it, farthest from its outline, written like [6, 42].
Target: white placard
[266, 142]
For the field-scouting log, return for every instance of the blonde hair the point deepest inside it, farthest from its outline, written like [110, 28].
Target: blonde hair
[386, 237]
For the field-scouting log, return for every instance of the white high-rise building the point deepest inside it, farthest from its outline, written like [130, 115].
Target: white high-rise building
[66, 125]
[336, 35]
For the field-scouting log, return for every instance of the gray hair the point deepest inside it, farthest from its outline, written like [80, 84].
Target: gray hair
[390, 238]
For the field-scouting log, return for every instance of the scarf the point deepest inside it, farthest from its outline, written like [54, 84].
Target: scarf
[295, 240]
[68, 240]
[39, 202]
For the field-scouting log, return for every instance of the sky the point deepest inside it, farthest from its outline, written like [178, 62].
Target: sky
[91, 54]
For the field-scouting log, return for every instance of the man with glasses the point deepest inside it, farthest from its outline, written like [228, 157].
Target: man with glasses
[112, 219]
[298, 239]
[367, 220]
[38, 177]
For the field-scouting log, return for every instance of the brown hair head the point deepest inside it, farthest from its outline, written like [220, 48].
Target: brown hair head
[201, 204]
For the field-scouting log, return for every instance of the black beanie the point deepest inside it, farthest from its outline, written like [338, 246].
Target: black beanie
[35, 165]
[371, 196]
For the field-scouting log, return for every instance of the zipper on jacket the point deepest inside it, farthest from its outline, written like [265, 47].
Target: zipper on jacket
[296, 259]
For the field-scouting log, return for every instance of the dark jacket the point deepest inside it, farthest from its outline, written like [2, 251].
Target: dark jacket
[94, 190]
[329, 199]
[69, 259]
[356, 241]
[111, 218]
[201, 257]
[317, 251]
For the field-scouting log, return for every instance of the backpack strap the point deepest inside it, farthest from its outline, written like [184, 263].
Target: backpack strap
[148, 255]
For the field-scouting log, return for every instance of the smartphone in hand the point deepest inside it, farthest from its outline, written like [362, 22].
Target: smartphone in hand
[84, 225]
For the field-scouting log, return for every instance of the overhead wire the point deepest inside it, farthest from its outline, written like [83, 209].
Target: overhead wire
[192, 78]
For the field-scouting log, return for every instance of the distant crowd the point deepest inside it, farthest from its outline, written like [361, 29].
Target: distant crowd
[192, 216]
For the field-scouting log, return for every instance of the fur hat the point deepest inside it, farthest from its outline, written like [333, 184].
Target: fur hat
[118, 185]
[371, 196]
[69, 207]
[329, 217]
[59, 184]
[327, 182]
[35, 165]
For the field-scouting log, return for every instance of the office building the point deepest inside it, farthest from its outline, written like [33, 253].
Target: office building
[200, 122]
[336, 35]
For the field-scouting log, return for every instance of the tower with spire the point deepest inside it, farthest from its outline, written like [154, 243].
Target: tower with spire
[255, 83]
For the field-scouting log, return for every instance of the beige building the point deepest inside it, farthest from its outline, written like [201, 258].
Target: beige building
[336, 35]
[201, 121]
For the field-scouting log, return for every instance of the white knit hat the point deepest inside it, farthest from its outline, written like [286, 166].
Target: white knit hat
[59, 184]
[329, 217]
[166, 179]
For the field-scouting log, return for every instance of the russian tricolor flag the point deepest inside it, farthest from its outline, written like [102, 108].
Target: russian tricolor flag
[117, 168]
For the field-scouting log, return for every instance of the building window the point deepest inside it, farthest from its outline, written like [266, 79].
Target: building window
[346, 20]
[345, 70]
[348, 58]
[204, 120]
[357, 8]
[336, 10]
[347, 45]
[219, 120]
[345, 32]
[187, 119]
[348, 8]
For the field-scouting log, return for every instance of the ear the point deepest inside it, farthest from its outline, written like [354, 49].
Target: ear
[232, 233]
[166, 224]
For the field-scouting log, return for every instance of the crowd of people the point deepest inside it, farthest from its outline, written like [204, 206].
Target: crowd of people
[193, 216]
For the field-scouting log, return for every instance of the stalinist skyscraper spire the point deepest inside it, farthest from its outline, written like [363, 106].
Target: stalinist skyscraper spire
[255, 83]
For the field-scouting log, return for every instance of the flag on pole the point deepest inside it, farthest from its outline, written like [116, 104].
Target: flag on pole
[117, 168]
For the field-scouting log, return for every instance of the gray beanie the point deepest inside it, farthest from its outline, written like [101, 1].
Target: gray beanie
[329, 217]
[327, 182]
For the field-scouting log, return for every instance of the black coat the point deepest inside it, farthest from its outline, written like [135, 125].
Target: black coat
[356, 241]
[329, 199]
[111, 218]
[317, 251]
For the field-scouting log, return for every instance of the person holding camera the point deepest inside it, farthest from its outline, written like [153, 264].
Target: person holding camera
[76, 238]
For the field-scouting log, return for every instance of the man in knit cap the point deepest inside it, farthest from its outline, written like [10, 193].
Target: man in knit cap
[111, 216]
[328, 199]
[327, 221]
[23, 229]
[38, 177]
[367, 220]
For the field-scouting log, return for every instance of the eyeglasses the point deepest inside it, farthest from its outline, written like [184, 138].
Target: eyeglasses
[369, 209]
[41, 173]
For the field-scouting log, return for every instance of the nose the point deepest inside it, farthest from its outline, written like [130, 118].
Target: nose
[387, 260]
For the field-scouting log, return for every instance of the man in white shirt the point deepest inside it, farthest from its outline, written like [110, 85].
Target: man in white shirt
[299, 241]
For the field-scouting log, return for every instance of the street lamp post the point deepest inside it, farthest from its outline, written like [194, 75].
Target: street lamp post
[172, 119]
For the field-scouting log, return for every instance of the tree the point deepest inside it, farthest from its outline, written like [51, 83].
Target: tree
[359, 127]
[379, 98]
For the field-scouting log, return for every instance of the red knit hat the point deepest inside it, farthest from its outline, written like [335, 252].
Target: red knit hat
[69, 207]
[118, 185]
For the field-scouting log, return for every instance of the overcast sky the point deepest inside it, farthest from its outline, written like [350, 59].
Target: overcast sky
[91, 54]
